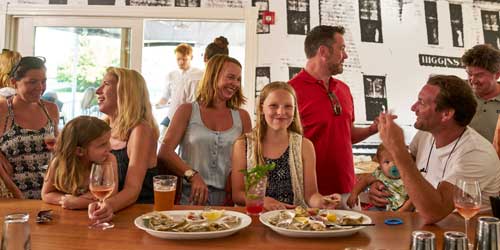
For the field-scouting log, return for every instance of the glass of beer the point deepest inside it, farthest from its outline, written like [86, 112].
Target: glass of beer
[164, 188]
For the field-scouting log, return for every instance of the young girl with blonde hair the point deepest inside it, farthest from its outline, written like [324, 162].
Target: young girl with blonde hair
[277, 138]
[83, 142]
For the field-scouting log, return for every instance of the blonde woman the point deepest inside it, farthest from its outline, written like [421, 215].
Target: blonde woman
[8, 59]
[123, 97]
[205, 131]
[277, 138]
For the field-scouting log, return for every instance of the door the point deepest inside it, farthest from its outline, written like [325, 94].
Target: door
[77, 52]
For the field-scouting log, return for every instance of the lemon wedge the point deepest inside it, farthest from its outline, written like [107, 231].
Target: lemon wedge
[212, 215]
[302, 220]
[331, 217]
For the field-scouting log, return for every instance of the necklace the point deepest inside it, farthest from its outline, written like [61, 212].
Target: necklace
[424, 170]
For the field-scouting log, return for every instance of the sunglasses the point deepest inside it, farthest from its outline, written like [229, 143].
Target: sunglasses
[44, 216]
[28, 60]
[334, 101]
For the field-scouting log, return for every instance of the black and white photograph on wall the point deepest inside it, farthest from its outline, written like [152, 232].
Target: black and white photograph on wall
[370, 21]
[431, 22]
[292, 71]
[298, 21]
[375, 96]
[262, 5]
[457, 25]
[101, 2]
[490, 28]
[149, 2]
[58, 1]
[262, 77]
[187, 3]
[262, 28]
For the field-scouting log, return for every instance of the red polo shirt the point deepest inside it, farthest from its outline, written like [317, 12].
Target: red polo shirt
[330, 134]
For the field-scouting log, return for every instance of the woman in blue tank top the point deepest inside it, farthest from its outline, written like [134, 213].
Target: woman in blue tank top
[205, 130]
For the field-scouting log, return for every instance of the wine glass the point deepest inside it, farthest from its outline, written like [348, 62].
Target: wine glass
[50, 139]
[102, 183]
[467, 199]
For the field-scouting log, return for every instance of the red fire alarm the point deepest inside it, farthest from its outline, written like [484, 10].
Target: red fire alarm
[268, 17]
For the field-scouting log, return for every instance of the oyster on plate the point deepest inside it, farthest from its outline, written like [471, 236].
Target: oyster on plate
[305, 220]
[191, 222]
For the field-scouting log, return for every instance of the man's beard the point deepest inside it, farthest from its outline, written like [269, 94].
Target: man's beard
[336, 69]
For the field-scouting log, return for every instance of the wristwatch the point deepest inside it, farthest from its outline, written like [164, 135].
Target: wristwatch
[188, 174]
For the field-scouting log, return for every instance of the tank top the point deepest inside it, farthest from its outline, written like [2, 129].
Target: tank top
[208, 151]
[295, 166]
[279, 180]
[147, 194]
[26, 151]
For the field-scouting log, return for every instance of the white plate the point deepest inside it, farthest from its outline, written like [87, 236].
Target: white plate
[245, 222]
[315, 234]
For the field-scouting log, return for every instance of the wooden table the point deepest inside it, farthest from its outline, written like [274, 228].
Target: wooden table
[69, 231]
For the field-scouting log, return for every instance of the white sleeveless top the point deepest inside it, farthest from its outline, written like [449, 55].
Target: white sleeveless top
[208, 151]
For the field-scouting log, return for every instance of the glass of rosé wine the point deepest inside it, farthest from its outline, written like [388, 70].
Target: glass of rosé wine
[50, 138]
[102, 184]
[467, 199]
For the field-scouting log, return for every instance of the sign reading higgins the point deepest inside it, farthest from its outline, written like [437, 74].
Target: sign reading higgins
[440, 61]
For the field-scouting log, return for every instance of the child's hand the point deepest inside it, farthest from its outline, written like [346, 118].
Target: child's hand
[88, 196]
[352, 201]
[69, 201]
[272, 204]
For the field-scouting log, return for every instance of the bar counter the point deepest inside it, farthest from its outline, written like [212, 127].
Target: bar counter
[69, 230]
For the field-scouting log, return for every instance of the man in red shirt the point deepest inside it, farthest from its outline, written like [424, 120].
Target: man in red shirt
[326, 109]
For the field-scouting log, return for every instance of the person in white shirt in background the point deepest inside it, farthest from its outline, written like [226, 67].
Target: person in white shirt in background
[177, 78]
[187, 92]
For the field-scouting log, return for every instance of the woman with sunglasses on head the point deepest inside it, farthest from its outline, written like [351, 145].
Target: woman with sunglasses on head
[25, 121]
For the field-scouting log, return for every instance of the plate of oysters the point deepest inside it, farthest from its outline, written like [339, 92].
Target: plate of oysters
[192, 224]
[311, 223]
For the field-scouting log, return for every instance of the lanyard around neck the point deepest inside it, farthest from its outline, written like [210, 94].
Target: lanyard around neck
[447, 159]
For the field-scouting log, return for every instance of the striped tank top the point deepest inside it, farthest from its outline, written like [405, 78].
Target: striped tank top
[27, 153]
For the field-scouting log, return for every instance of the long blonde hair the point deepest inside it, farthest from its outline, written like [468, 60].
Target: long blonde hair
[260, 128]
[8, 59]
[207, 89]
[69, 174]
[133, 103]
